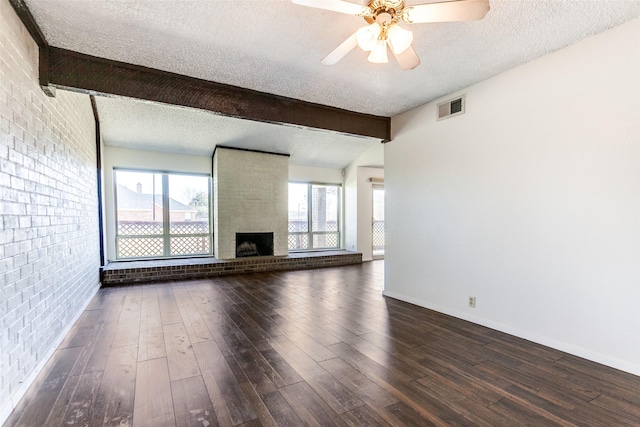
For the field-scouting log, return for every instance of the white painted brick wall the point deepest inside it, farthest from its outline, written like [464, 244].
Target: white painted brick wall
[49, 251]
[250, 196]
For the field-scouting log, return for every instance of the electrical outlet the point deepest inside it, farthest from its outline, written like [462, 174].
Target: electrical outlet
[472, 302]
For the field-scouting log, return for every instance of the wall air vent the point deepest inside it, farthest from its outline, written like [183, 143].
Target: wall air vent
[450, 108]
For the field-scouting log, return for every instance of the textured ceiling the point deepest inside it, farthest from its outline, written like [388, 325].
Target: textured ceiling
[275, 46]
[144, 125]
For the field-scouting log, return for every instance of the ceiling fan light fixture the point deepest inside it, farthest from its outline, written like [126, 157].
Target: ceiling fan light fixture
[399, 39]
[379, 54]
[383, 17]
[368, 36]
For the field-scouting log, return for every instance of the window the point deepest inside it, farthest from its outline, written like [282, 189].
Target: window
[314, 212]
[161, 215]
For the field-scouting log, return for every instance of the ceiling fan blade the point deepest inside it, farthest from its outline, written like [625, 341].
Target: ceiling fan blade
[337, 6]
[408, 59]
[459, 10]
[339, 52]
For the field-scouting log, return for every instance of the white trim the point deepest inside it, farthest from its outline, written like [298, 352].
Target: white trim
[14, 398]
[613, 362]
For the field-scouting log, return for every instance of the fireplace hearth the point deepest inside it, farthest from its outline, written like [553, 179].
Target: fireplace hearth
[254, 244]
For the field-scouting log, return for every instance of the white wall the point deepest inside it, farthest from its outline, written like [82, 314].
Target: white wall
[358, 204]
[116, 157]
[315, 174]
[530, 201]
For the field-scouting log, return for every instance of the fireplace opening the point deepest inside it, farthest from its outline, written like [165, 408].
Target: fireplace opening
[254, 244]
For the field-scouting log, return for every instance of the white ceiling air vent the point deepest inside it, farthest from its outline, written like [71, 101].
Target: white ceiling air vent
[450, 108]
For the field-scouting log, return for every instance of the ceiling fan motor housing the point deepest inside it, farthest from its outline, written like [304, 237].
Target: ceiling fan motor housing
[388, 11]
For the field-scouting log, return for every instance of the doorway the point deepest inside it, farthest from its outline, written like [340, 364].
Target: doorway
[377, 236]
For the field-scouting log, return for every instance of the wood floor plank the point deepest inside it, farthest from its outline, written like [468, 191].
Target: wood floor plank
[258, 371]
[585, 381]
[335, 394]
[461, 381]
[458, 399]
[396, 362]
[319, 347]
[192, 320]
[225, 391]
[85, 329]
[63, 401]
[114, 401]
[264, 417]
[368, 391]
[547, 390]
[564, 411]
[364, 416]
[286, 374]
[392, 342]
[247, 326]
[436, 408]
[151, 338]
[339, 398]
[153, 399]
[229, 337]
[205, 304]
[191, 403]
[87, 357]
[182, 361]
[407, 416]
[42, 395]
[309, 326]
[280, 410]
[80, 410]
[128, 329]
[618, 406]
[372, 369]
[309, 406]
[521, 415]
[98, 357]
[558, 376]
[626, 385]
[169, 311]
[310, 346]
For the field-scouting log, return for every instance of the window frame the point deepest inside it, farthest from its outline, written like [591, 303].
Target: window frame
[166, 216]
[310, 233]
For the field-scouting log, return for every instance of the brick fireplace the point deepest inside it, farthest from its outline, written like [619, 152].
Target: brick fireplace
[250, 195]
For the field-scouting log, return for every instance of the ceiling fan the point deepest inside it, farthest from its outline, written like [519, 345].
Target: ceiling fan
[383, 17]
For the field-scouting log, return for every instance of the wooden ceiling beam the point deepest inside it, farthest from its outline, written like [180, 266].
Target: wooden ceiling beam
[98, 76]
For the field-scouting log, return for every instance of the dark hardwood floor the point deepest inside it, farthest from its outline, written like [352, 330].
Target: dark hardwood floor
[317, 348]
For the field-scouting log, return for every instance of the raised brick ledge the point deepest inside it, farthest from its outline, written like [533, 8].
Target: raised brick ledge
[129, 272]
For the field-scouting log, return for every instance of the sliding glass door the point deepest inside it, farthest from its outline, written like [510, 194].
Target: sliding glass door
[314, 216]
[378, 221]
[160, 215]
